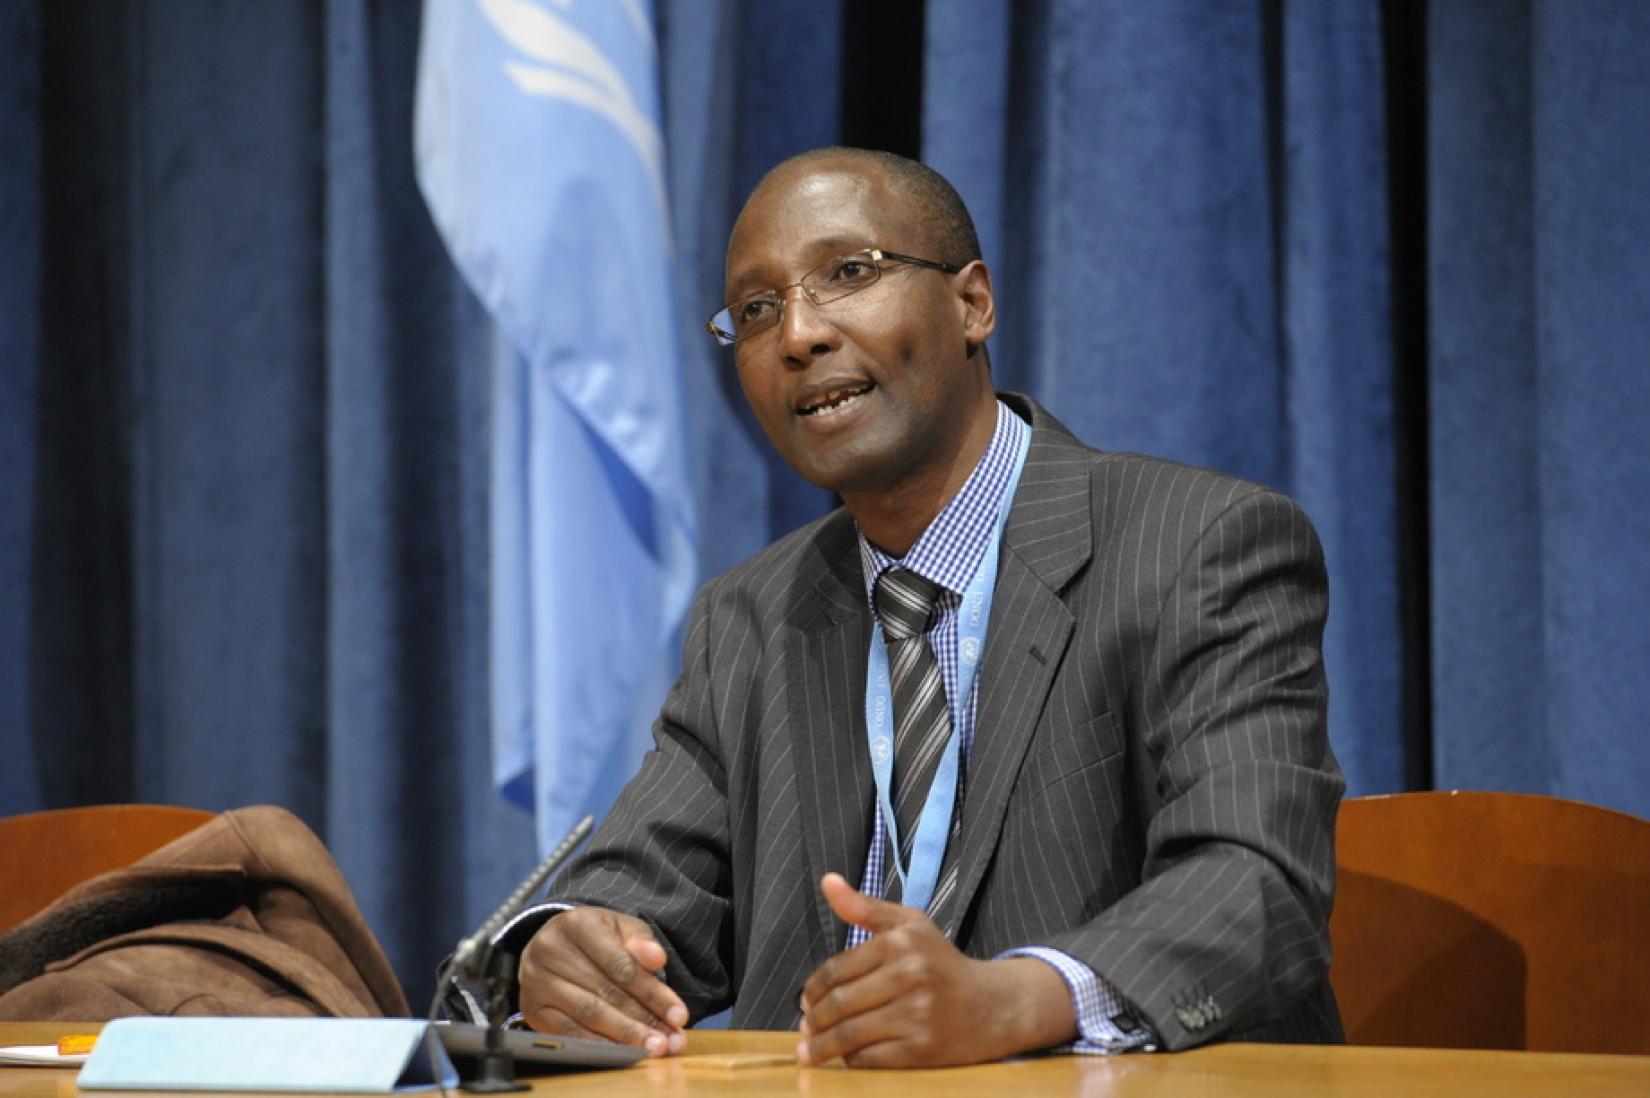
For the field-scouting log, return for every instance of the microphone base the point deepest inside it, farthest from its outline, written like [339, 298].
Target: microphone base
[496, 1066]
[496, 1074]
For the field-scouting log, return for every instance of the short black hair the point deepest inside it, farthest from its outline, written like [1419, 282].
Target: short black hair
[941, 207]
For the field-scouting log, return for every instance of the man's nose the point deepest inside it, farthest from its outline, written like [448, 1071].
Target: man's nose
[804, 332]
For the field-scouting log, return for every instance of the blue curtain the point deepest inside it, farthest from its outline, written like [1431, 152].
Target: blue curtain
[1189, 205]
[1257, 237]
[1539, 392]
[1387, 257]
[244, 543]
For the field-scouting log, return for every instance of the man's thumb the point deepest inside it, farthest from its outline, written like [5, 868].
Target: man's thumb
[640, 943]
[853, 906]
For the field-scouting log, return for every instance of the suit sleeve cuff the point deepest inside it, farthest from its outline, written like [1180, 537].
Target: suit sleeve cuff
[1106, 1023]
[514, 935]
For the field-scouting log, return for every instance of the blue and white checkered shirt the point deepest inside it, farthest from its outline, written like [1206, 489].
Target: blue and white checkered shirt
[947, 554]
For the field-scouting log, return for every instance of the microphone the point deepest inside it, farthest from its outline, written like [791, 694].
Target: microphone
[470, 955]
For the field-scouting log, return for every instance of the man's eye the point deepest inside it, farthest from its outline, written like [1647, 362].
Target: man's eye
[853, 270]
[753, 310]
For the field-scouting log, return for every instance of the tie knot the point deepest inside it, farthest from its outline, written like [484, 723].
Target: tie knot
[904, 602]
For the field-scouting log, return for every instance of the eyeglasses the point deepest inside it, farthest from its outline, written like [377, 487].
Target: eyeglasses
[832, 280]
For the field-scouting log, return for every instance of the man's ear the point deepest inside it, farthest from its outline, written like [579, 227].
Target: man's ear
[978, 303]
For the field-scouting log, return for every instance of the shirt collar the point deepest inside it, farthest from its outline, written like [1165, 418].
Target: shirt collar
[949, 551]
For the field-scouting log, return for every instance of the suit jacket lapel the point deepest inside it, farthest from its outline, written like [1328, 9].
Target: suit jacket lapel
[825, 685]
[1048, 540]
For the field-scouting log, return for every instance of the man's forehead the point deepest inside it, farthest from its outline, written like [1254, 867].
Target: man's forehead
[810, 210]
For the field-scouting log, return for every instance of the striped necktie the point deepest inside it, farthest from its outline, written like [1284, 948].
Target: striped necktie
[905, 604]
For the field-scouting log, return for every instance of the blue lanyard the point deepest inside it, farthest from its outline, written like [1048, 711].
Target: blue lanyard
[917, 880]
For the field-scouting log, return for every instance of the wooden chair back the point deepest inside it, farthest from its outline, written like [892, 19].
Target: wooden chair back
[1492, 920]
[44, 854]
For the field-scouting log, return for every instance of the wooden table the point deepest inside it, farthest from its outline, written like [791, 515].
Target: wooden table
[1229, 1071]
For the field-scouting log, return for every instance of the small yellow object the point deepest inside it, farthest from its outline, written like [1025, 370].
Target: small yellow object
[76, 1044]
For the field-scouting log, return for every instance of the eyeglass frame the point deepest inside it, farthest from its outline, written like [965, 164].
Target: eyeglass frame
[781, 293]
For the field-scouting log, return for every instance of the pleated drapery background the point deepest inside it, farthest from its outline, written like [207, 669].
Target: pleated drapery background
[1388, 257]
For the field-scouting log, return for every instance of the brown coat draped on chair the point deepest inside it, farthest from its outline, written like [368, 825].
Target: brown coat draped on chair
[246, 915]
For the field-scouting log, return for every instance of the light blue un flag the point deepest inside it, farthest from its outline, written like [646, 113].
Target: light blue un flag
[540, 156]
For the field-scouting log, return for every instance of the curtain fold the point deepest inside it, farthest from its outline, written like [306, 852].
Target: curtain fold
[21, 206]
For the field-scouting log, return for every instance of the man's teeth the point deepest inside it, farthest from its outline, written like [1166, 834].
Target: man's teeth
[833, 401]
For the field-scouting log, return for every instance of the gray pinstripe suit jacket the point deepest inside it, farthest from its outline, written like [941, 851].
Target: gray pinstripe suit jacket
[1151, 788]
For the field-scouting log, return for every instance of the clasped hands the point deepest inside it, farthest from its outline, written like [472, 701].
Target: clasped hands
[905, 998]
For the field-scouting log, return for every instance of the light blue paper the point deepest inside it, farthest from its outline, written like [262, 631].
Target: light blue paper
[352, 1055]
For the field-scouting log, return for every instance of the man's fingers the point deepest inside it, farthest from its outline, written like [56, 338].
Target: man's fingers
[588, 956]
[853, 906]
[901, 1031]
[543, 981]
[842, 970]
[554, 1022]
[851, 965]
[620, 969]
[906, 997]
[550, 1020]
[854, 1038]
[664, 1003]
[562, 1007]
[897, 1053]
[625, 954]
[841, 996]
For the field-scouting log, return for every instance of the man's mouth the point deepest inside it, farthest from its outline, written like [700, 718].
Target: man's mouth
[833, 400]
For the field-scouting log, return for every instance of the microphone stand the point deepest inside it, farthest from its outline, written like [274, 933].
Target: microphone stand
[496, 1066]
[476, 966]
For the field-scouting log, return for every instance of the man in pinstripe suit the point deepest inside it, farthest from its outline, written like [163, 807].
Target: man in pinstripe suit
[1141, 850]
